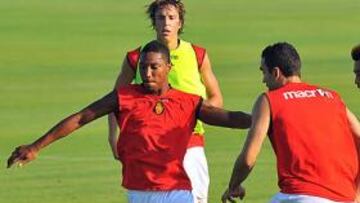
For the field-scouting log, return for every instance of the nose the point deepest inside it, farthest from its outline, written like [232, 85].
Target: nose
[147, 72]
[166, 21]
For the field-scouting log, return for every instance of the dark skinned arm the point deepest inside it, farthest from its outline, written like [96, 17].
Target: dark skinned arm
[216, 116]
[26, 153]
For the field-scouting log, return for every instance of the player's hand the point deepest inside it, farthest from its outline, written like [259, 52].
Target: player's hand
[116, 157]
[22, 155]
[231, 195]
[357, 198]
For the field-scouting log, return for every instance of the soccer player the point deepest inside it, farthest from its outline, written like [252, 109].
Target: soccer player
[311, 131]
[156, 122]
[191, 72]
[355, 54]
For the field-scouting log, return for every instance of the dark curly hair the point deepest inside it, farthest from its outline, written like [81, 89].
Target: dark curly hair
[355, 53]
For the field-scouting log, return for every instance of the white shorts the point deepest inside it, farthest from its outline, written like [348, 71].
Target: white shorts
[196, 168]
[172, 196]
[294, 198]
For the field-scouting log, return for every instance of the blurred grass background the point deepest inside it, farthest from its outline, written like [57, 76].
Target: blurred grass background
[58, 56]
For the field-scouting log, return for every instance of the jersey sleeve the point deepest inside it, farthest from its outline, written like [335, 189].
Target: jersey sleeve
[133, 58]
[200, 54]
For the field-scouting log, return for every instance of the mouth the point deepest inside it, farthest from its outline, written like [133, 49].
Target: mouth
[149, 86]
[165, 32]
[147, 82]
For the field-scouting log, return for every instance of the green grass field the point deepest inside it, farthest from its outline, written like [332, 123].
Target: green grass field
[57, 56]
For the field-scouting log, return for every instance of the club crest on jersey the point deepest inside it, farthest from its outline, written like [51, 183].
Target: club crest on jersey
[159, 107]
[174, 57]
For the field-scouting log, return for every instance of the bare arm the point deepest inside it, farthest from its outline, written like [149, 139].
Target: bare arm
[247, 158]
[354, 124]
[220, 117]
[214, 96]
[355, 128]
[26, 153]
[125, 77]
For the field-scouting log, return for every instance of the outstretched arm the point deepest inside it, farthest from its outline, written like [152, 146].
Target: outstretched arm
[26, 153]
[246, 160]
[125, 77]
[220, 117]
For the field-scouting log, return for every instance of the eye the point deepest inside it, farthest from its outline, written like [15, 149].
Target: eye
[155, 66]
[141, 66]
[160, 17]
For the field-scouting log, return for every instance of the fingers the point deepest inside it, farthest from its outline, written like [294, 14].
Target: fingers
[13, 158]
[116, 157]
[240, 192]
[227, 197]
[231, 200]
[11, 161]
[224, 196]
[223, 199]
[21, 155]
[233, 194]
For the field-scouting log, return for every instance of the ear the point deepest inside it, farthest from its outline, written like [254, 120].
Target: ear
[357, 64]
[276, 72]
[169, 67]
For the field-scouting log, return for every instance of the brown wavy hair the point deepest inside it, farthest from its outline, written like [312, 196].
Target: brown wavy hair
[159, 4]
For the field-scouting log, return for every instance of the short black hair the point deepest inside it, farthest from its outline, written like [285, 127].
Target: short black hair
[284, 56]
[156, 46]
[355, 53]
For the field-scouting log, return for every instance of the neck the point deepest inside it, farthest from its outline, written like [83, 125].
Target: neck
[291, 79]
[171, 43]
[161, 91]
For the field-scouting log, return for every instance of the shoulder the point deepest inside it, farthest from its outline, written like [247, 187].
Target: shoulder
[185, 97]
[196, 47]
[180, 93]
[199, 51]
[327, 91]
[262, 99]
[130, 89]
[133, 56]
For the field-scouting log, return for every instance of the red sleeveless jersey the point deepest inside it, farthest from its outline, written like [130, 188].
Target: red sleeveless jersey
[154, 133]
[315, 149]
[133, 58]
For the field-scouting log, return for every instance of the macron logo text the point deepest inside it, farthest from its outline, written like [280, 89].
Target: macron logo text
[307, 94]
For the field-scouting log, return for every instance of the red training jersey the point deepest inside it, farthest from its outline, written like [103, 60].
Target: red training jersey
[315, 149]
[154, 133]
[181, 53]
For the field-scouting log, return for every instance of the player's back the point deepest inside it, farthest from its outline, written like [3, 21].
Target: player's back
[310, 134]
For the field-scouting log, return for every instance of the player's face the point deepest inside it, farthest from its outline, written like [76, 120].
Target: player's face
[154, 70]
[357, 73]
[167, 23]
[268, 78]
